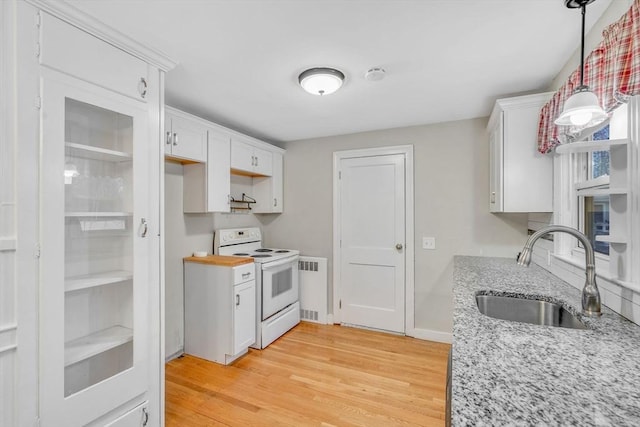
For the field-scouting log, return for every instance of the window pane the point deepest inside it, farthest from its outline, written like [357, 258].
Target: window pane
[599, 161]
[596, 221]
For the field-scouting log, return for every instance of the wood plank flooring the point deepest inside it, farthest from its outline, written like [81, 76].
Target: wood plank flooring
[315, 375]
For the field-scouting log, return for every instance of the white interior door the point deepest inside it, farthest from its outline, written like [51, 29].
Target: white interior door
[372, 241]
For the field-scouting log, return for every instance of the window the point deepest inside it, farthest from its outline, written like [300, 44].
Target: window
[593, 208]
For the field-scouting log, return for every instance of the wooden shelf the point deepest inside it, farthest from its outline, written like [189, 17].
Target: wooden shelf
[91, 345]
[97, 214]
[96, 153]
[92, 280]
[587, 146]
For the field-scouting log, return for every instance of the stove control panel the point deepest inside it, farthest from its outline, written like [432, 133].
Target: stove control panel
[234, 236]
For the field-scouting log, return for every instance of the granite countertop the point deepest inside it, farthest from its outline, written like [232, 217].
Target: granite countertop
[510, 373]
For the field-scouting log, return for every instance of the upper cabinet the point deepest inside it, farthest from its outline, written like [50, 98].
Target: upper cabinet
[268, 191]
[521, 179]
[257, 168]
[185, 137]
[249, 159]
[207, 186]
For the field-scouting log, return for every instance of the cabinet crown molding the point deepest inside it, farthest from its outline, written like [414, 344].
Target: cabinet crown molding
[93, 26]
[523, 101]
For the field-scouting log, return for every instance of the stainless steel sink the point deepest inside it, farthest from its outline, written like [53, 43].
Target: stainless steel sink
[524, 310]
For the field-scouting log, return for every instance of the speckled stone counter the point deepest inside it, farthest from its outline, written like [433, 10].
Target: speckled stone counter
[510, 373]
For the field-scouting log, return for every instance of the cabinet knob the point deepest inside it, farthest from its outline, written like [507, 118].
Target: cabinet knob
[175, 138]
[168, 137]
[237, 299]
[399, 246]
[275, 202]
[493, 197]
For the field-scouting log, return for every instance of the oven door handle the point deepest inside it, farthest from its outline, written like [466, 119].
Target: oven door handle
[274, 264]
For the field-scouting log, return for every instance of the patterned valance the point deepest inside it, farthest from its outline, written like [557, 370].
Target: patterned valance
[611, 70]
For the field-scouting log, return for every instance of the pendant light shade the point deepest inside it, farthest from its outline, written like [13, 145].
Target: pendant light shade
[321, 81]
[582, 109]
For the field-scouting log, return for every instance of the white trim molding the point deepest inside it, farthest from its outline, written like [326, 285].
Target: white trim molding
[429, 335]
[407, 151]
[91, 25]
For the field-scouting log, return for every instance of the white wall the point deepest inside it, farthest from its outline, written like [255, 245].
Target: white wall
[451, 184]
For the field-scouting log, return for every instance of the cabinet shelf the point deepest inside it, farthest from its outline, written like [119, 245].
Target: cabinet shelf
[587, 146]
[96, 153]
[91, 345]
[77, 283]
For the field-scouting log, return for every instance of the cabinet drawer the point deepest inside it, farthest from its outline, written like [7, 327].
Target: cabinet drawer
[69, 49]
[244, 273]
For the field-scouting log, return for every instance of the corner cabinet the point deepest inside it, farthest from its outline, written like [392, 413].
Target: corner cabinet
[520, 178]
[99, 333]
[269, 191]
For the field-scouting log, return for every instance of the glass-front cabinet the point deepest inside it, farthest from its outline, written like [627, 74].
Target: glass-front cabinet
[94, 250]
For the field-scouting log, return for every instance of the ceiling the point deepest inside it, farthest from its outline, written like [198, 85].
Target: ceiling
[444, 59]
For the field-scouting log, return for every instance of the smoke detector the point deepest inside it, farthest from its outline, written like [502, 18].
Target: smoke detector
[374, 74]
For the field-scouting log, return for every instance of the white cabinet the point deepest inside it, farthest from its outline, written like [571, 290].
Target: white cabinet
[185, 137]
[268, 191]
[521, 179]
[220, 309]
[99, 196]
[249, 159]
[206, 186]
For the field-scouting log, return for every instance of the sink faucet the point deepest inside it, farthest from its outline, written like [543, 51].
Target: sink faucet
[590, 293]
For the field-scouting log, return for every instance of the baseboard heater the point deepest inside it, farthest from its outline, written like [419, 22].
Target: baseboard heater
[313, 289]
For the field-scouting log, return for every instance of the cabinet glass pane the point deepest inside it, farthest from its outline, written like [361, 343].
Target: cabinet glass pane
[98, 302]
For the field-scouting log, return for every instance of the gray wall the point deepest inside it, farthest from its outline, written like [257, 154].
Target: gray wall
[451, 162]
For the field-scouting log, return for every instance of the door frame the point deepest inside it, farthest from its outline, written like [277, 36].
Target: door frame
[409, 286]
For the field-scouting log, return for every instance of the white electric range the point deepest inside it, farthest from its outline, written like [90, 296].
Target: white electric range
[277, 288]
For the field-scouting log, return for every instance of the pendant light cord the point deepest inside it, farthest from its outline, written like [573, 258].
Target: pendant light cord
[584, 12]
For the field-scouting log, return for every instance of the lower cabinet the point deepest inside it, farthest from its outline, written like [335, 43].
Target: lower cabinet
[220, 310]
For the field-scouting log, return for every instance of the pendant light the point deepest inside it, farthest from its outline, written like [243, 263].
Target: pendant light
[321, 81]
[582, 108]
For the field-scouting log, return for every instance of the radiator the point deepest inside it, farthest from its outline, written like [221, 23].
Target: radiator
[313, 289]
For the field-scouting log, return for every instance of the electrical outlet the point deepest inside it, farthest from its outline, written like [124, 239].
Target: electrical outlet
[428, 243]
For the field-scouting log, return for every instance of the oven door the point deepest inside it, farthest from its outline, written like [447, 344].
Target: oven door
[279, 285]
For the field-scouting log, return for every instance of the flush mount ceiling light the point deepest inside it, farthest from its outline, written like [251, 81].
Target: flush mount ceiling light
[582, 108]
[321, 81]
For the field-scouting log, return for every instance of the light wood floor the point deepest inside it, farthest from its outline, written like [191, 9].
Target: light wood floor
[322, 375]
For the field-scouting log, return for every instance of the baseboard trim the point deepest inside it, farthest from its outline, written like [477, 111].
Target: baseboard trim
[429, 335]
[174, 355]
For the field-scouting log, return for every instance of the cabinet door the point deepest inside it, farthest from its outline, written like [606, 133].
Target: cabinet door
[263, 163]
[268, 191]
[96, 256]
[244, 316]
[218, 172]
[242, 158]
[495, 168]
[188, 139]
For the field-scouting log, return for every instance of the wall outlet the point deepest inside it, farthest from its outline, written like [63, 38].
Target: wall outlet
[428, 243]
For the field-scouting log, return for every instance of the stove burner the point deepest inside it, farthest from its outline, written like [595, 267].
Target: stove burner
[282, 251]
[261, 256]
[241, 254]
[264, 250]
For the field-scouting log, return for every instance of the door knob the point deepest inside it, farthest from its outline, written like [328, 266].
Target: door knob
[399, 246]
